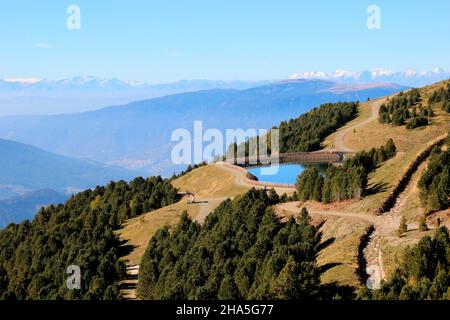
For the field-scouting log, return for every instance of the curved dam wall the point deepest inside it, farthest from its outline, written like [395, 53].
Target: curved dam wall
[298, 157]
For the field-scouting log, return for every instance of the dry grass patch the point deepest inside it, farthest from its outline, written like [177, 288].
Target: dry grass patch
[342, 253]
[138, 231]
[210, 181]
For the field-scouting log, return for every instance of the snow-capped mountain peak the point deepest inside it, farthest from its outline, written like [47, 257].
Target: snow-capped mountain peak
[340, 73]
[409, 77]
[22, 80]
[380, 72]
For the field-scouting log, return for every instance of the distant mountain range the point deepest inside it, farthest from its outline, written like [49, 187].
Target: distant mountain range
[410, 78]
[27, 168]
[137, 135]
[23, 207]
[87, 93]
[22, 96]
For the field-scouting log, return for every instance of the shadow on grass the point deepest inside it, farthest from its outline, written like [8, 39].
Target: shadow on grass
[328, 266]
[376, 188]
[326, 244]
[334, 291]
[124, 248]
[362, 261]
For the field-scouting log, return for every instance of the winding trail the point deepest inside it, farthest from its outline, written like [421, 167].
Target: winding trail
[339, 136]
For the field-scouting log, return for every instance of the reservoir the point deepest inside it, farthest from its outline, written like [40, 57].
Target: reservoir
[287, 173]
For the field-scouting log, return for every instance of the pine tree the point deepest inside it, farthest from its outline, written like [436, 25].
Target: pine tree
[326, 192]
[391, 149]
[446, 106]
[306, 182]
[433, 200]
[228, 289]
[286, 285]
[317, 194]
[304, 216]
[423, 223]
[384, 117]
[398, 119]
[403, 227]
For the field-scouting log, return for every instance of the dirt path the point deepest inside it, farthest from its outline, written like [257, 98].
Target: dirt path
[372, 255]
[314, 210]
[410, 195]
[207, 206]
[339, 137]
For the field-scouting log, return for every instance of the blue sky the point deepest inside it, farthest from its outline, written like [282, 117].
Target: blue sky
[167, 40]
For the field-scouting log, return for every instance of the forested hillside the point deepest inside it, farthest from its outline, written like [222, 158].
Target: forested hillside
[242, 251]
[441, 96]
[424, 273]
[307, 132]
[406, 108]
[409, 108]
[34, 256]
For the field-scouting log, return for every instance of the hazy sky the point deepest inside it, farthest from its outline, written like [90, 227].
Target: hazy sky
[166, 40]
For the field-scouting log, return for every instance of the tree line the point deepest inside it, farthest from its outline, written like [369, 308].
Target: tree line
[34, 256]
[242, 251]
[342, 182]
[406, 109]
[434, 185]
[441, 96]
[307, 132]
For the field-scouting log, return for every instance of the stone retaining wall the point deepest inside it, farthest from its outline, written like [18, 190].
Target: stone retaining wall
[389, 203]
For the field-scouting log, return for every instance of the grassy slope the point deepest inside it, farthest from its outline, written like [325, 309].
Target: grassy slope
[211, 181]
[343, 252]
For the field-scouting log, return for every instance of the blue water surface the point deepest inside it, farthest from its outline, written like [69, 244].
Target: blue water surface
[286, 173]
